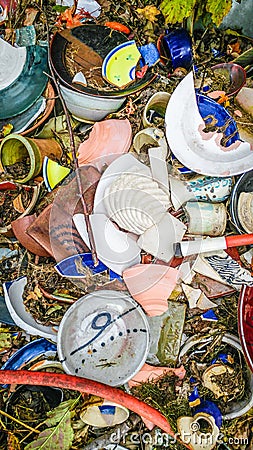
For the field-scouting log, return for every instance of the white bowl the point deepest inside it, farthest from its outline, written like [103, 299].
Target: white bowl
[90, 108]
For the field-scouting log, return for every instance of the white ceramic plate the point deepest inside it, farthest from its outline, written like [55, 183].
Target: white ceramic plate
[199, 151]
[104, 336]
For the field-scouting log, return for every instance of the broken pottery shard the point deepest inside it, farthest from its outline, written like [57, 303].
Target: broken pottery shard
[229, 270]
[159, 239]
[197, 299]
[200, 151]
[166, 333]
[151, 285]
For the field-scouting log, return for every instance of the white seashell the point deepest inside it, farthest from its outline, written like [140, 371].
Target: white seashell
[135, 202]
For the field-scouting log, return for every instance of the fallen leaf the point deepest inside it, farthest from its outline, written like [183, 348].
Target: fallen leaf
[18, 204]
[149, 12]
[31, 14]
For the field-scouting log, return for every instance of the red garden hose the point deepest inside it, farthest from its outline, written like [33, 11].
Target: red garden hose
[89, 387]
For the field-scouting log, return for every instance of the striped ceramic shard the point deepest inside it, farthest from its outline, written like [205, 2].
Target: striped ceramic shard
[135, 202]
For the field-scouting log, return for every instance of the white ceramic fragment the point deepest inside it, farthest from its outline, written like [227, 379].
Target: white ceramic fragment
[14, 302]
[199, 151]
[179, 192]
[11, 63]
[159, 239]
[159, 168]
[190, 428]
[115, 248]
[79, 78]
[197, 299]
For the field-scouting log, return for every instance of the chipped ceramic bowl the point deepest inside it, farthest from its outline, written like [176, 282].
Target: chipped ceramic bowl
[28, 85]
[21, 122]
[13, 292]
[177, 46]
[53, 173]
[151, 285]
[234, 408]
[107, 140]
[200, 151]
[119, 65]
[88, 108]
[104, 336]
[108, 414]
[99, 40]
[243, 185]
[232, 72]
[150, 136]
[30, 351]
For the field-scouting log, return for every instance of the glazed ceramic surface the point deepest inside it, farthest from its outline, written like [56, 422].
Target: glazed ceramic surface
[68, 267]
[119, 65]
[151, 285]
[104, 336]
[196, 149]
[101, 40]
[243, 185]
[22, 121]
[113, 171]
[85, 107]
[234, 73]
[245, 323]
[135, 202]
[107, 415]
[18, 96]
[13, 292]
[115, 248]
[177, 46]
[11, 64]
[107, 140]
[53, 173]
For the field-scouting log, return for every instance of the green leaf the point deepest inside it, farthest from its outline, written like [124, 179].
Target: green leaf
[5, 340]
[219, 9]
[177, 10]
[60, 433]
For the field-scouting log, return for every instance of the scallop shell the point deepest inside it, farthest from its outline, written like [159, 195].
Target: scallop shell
[135, 202]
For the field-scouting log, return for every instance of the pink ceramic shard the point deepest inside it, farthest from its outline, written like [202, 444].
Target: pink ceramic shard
[151, 285]
[108, 140]
[152, 373]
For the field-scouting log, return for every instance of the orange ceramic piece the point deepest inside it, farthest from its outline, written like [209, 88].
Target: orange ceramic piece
[108, 140]
[151, 285]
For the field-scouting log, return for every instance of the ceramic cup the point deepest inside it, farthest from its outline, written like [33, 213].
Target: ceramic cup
[157, 103]
[208, 219]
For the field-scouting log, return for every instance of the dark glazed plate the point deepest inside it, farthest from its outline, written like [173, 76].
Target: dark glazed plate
[98, 39]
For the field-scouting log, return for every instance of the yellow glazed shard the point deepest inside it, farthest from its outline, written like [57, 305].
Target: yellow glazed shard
[119, 65]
